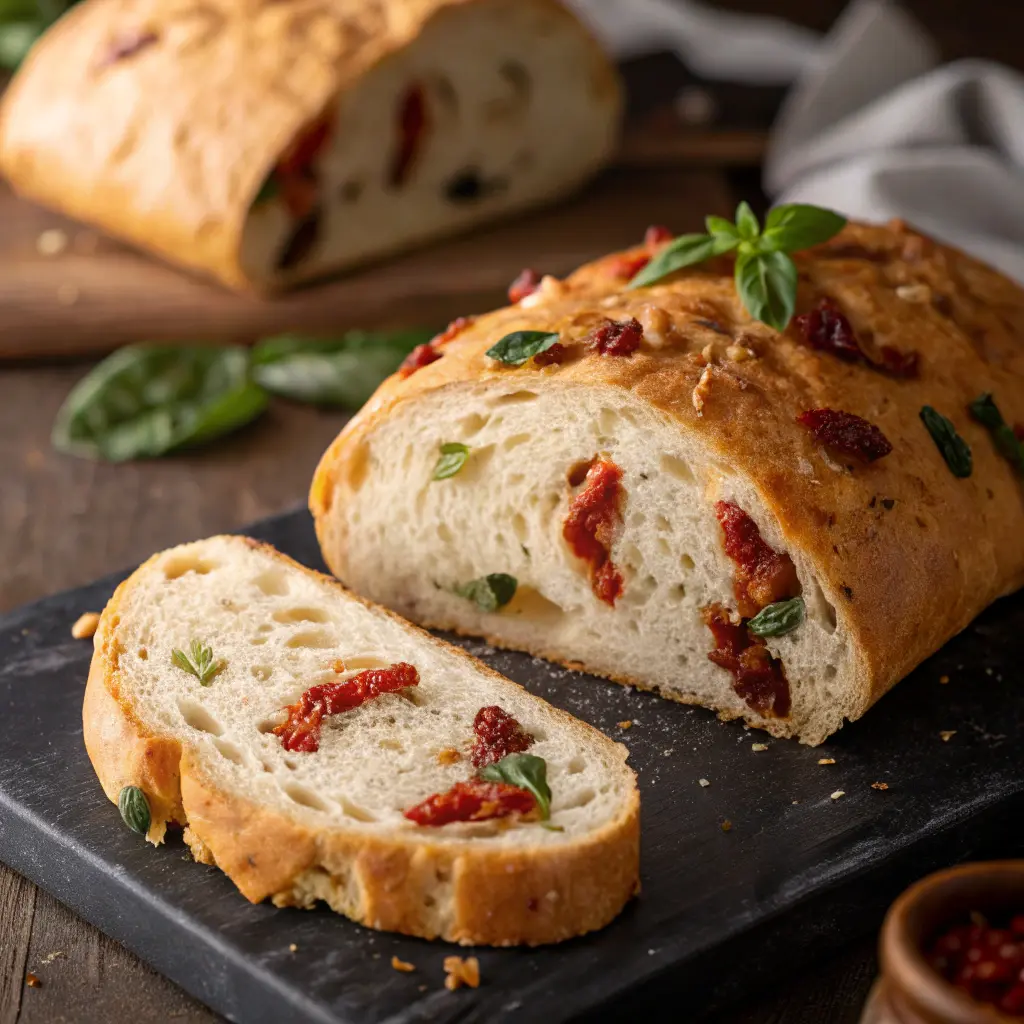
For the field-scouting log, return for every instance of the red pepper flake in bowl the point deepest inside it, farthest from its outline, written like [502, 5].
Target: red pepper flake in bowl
[301, 731]
[498, 734]
[846, 433]
[985, 961]
[525, 284]
[472, 801]
[616, 337]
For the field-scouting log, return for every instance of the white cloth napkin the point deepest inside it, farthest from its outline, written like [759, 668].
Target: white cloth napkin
[872, 127]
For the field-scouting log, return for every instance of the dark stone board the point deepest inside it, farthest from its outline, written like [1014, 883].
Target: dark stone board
[721, 912]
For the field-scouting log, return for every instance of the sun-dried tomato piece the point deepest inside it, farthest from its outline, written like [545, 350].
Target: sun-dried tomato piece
[412, 126]
[616, 337]
[627, 266]
[590, 524]
[472, 801]
[759, 678]
[899, 363]
[306, 146]
[525, 284]
[498, 734]
[420, 356]
[551, 356]
[763, 575]
[294, 176]
[846, 433]
[656, 236]
[452, 331]
[301, 731]
[826, 329]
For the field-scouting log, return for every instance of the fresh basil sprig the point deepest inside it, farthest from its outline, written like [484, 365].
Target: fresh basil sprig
[452, 458]
[22, 22]
[779, 618]
[515, 348]
[201, 664]
[134, 808]
[766, 277]
[527, 771]
[489, 593]
[986, 412]
[341, 371]
[148, 400]
[953, 447]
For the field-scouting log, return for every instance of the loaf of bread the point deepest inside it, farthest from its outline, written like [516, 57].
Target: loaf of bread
[690, 501]
[272, 142]
[318, 748]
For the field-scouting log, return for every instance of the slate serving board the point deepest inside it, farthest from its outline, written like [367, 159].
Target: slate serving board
[722, 911]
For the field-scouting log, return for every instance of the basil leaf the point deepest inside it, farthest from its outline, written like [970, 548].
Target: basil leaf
[452, 459]
[16, 39]
[489, 593]
[766, 282]
[796, 226]
[684, 251]
[515, 348]
[148, 400]
[986, 412]
[134, 808]
[527, 771]
[746, 222]
[779, 618]
[953, 447]
[721, 226]
[343, 371]
[201, 664]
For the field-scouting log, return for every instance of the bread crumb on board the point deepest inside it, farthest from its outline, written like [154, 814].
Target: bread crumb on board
[943, 679]
[402, 965]
[85, 625]
[51, 242]
[838, 793]
[947, 734]
[879, 785]
[459, 972]
[626, 723]
[292, 948]
[703, 783]
[758, 746]
[826, 760]
[726, 825]
[32, 981]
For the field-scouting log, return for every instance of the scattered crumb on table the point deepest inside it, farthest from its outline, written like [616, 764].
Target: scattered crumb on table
[704, 782]
[32, 981]
[879, 785]
[85, 625]
[293, 948]
[50, 957]
[726, 825]
[51, 242]
[943, 679]
[459, 972]
[838, 793]
[947, 734]
[402, 965]
[758, 746]
[625, 724]
[826, 760]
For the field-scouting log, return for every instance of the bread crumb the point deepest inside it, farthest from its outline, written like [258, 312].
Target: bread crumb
[947, 734]
[703, 783]
[402, 965]
[838, 793]
[461, 972]
[68, 294]
[422, 988]
[50, 957]
[85, 625]
[726, 825]
[826, 760]
[293, 948]
[740, 353]
[32, 981]
[448, 756]
[700, 392]
[943, 679]
[51, 242]
[879, 785]
[914, 293]
[758, 746]
[625, 724]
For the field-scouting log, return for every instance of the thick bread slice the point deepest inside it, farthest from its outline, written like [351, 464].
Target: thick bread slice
[892, 558]
[268, 144]
[302, 827]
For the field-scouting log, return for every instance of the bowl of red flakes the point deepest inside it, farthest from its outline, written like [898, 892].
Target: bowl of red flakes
[952, 950]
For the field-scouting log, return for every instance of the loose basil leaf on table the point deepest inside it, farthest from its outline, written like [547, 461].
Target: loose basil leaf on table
[343, 371]
[147, 400]
[527, 771]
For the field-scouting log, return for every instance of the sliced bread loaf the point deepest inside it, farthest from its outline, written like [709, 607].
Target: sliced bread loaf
[303, 736]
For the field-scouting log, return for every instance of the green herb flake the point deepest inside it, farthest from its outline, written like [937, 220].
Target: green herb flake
[986, 412]
[489, 593]
[148, 400]
[452, 458]
[515, 348]
[527, 771]
[778, 619]
[200, 664]
[766, 277]
[134, 808]
[953, 447]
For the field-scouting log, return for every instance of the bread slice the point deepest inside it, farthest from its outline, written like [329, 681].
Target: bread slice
[270, 145]
[700, 413]
[298, 827]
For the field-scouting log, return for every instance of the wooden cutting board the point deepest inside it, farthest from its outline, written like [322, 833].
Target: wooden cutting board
[97, 294]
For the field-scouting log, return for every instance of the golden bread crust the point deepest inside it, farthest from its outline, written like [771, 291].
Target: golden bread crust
[487, 895]
[908, 553]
